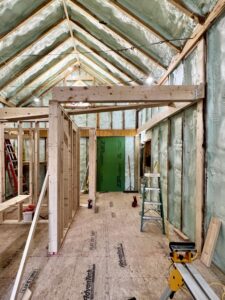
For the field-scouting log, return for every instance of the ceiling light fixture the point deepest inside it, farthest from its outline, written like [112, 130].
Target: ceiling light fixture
[149, 80]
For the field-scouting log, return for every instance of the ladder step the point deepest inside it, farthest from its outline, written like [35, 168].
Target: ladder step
[147, 218]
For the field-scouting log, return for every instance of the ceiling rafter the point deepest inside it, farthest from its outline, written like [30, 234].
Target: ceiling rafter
[106, 48]
[37, 63]
[106, 63]
[35, 88]
[32, 44]
[115, 31]
[179, 5]
[5, 102]
[70, 29]
[139, 21]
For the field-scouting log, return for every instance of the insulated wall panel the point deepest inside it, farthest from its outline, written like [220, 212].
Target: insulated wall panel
[175, 171]
[215, 124]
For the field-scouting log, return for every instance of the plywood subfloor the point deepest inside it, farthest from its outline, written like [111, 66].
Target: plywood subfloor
[93, 240]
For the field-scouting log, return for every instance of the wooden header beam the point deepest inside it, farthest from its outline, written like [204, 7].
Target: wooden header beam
[20, 113]
[176, 93]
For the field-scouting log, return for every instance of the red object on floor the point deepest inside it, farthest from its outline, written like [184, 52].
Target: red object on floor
[134, 203]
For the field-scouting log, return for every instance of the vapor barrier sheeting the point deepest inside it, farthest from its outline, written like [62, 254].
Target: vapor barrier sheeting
[189, 173]
[215, 155]
[175, 171]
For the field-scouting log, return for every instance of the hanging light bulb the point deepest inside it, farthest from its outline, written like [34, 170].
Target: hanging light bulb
[70, 69]
[36, 100]
[149, 80]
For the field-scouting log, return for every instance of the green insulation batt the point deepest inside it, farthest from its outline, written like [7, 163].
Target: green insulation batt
[215, 121]
[163, 162]
[189, 171]
[175, 171]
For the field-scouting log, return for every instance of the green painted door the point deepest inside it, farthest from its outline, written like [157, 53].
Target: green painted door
[110, 164]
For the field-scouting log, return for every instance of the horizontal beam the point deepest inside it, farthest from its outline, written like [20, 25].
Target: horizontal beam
[20, 113]
[112, 108]
[161, 116]
[109, 132]
[176, 93]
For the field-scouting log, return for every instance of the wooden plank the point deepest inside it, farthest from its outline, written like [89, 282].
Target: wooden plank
[92, 166]
[54, 183]
[29, 241]
[200, 154]
[5, 102]
[31, 165]
[14, 201]
[210, 242]
[165, 93]
[93, 110]
[36, 161]
[109, 132]
[195, 37]
[159, 117]
[20, 168]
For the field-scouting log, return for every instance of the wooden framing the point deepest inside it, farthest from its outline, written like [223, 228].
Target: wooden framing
[20, 168]
[165, 93]
[88, 14]
[200, 155]
[63, 152]
[169, 112]
[36, 162]
[92, 165]
[2, 163]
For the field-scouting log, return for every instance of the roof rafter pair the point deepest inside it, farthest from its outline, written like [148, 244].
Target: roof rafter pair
[44, 7]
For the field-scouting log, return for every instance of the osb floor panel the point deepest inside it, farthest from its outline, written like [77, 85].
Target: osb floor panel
[93, 240]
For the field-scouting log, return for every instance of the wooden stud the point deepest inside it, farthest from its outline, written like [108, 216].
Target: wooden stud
[200, 153]
[20, 168]
[31, 166]
[92, 166]
[2, 163]
[36, 161]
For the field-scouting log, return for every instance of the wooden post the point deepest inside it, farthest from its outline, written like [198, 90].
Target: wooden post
[20, 168]
[92, 165]
[36, 161]
[54, 176]
[200, 154]
[2, 168]
[136, 162]
[2, 163]
[31, 166]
